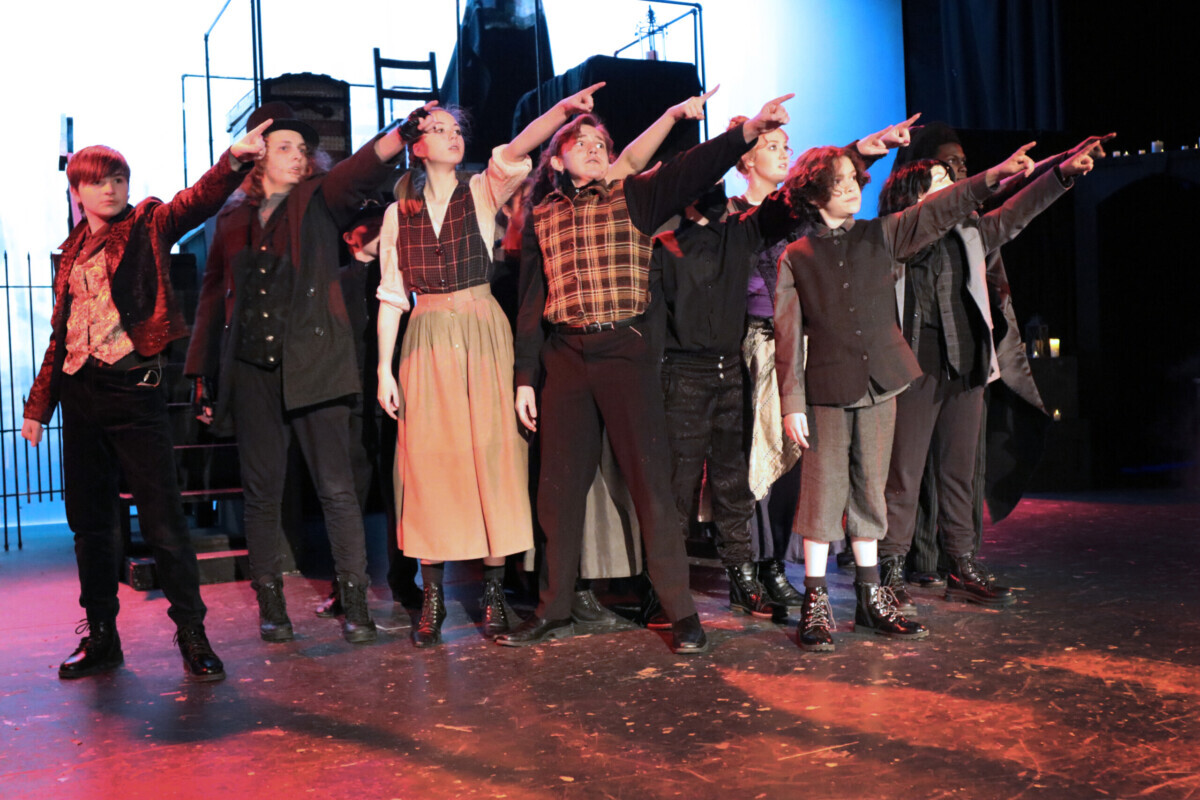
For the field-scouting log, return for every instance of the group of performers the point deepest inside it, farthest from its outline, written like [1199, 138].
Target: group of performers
[754, 332]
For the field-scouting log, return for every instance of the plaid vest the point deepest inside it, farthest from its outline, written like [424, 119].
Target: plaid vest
[456, 259]
[597, 263]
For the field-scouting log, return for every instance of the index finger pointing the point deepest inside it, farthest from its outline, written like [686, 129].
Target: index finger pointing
[261, 127]
[1025, 148]
[594, 87]
[710, 93]
[910, 120]
[783, 99]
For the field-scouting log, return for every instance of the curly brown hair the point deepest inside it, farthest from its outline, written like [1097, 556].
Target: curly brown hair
[545, 177]
[809, 183]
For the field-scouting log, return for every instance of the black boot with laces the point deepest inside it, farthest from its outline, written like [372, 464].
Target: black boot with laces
[876, 611]
[99, 650]
[815, 631]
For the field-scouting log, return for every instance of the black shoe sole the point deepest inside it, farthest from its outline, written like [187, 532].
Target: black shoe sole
[751, 612]
[211, 677]
[609, 626]
[859, 627]
[362, 637]
[816, 648]
[960, 596]
[94, 670]
[278, 635]
[555, 633]
[421, 644]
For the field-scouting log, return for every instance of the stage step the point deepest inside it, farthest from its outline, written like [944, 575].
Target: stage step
[217, 566]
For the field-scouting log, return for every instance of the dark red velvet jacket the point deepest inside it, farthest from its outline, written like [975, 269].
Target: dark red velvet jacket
[138, 252]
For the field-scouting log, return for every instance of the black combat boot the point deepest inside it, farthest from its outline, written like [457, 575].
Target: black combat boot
[876, 611]
[773, 578]
[969, 582]
[273, 622]
[357, 625]
[199, 659]
[815, 631]
[498, 617]
[433, 613]
[891, 575]
[746, 594]
[98, 651]
[589, 615]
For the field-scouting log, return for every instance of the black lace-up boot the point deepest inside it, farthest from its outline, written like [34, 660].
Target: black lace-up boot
[773, 577]
[891, 575]
[433, 613]
[498, 617]
[199, 659]
[99, 651]
[970, 582]
[747, 594]
[815, 631]
[357, 625]
[876, 611]
[273, 622]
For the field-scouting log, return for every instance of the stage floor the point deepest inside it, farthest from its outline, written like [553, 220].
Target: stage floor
[1089, 687]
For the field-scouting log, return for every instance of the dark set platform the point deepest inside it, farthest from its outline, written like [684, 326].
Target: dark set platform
[1089, 687]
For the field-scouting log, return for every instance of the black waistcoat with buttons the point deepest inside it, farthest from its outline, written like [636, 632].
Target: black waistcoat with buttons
[319, 364]
[266, 287]
[454, 258]
[847, 291]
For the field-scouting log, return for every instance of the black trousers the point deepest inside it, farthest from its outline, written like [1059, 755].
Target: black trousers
[771, 522]
[112, 426]
[940, 419]
[264, 431]
[926, 554]
[372, 458]
[609, 378]
[704, 407]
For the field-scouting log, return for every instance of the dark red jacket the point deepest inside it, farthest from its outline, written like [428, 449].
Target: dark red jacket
[138, 252]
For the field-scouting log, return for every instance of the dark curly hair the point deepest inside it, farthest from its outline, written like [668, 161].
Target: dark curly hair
[809, 183]
[905, 186]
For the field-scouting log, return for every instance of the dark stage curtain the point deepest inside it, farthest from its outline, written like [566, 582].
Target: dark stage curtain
[635, 95]
[504, 52]
[992, 64]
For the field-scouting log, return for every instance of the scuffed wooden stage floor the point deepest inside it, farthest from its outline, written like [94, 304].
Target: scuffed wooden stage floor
[1089, 687]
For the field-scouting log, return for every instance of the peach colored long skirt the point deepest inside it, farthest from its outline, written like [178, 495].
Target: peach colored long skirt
[462, 477]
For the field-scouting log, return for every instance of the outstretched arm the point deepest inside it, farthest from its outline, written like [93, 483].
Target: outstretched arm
[915, 227]
[654, 197]
[205, 197]
[636, 157]
[1004, 223]
[877, 144]
[542, 128]
[1092, 146]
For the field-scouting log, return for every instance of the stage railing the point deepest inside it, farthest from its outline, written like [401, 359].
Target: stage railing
[30, 474]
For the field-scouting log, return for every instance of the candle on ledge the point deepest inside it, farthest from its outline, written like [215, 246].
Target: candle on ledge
[1054, 347]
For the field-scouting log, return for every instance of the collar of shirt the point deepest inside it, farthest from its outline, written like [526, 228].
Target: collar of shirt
[824, 231]
[567, 190]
